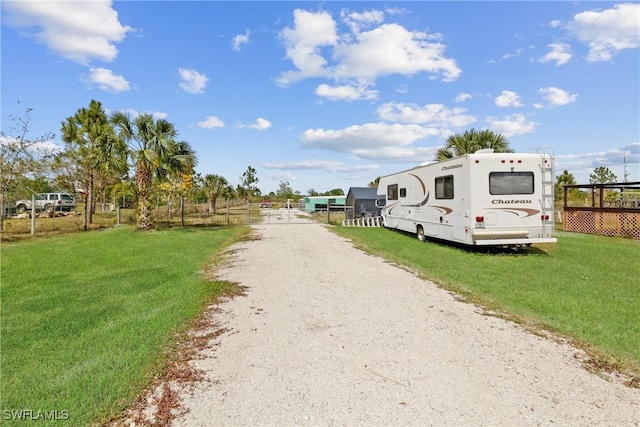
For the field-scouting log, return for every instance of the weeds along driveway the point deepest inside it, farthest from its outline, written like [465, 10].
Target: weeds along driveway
[328, 335]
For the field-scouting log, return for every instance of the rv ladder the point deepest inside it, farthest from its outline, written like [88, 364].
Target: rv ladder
[547, 201]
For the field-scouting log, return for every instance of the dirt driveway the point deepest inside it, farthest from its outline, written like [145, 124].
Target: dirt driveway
[328, 335]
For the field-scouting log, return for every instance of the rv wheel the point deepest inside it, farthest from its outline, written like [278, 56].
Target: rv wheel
[420, 233]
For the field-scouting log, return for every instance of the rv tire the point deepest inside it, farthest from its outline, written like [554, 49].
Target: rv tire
[420, 233]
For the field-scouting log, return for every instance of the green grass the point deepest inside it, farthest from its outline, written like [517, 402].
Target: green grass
[586, 287]
[20, 229]
[87, 318]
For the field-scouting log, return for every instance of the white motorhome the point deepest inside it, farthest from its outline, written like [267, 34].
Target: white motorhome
[484, 198]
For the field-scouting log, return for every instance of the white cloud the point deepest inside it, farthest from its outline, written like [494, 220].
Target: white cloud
[302, 165]
[559, 53]
[508, 99]
[159, 115]
[633, 149]
[135, 113]
[311, 32]
[356, 21]
[581, 165]
[106, 80]
[345, 93]
[40, 147]
[373, 141]
[402, 89]
[192, 81]
[516, 124]
[462, 97]
[392, 49]
[79, 31]
[282, 177]
[609, 31]
[45, 148]
[239, 40]
[211, 122]
[329, 166]
[432, 114]
[518, 52]
[557, 96]
[261, 124]
[317, 50]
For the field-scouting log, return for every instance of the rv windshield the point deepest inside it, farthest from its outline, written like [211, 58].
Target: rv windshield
[503, 183]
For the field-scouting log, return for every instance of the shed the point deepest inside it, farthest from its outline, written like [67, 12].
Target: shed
[319, 203]
[361, 202]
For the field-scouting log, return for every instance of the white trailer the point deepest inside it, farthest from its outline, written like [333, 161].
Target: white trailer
[484, 198]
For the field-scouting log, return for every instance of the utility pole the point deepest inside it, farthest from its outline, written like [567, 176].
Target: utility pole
[624, 161]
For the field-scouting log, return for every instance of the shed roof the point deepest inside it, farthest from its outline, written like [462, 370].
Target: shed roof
[363, 193]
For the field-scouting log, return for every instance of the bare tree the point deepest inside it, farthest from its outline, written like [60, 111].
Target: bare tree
[20, 156]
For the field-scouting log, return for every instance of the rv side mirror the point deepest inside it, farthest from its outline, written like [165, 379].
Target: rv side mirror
[380, 203]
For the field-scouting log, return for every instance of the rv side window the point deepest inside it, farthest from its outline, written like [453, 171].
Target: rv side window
[392, 192]
[502, 183]
[403, 192]
[444, 187]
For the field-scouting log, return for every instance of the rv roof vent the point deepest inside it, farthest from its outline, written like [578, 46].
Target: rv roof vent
[485, 150]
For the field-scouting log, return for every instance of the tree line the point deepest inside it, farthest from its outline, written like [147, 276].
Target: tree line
[115, 156]
[118, 156]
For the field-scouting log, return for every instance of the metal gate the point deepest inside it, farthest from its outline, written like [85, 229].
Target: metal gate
[261, 215]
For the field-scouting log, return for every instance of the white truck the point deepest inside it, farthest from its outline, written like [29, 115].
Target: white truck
[48, 202]
[479, 199]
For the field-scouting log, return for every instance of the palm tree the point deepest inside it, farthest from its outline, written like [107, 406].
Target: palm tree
[215, 186]
[153, 149]
[471, 141]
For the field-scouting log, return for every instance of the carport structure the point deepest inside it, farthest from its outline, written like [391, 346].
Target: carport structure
[322, 203]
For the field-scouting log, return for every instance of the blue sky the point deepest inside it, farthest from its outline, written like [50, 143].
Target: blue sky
[333, 94]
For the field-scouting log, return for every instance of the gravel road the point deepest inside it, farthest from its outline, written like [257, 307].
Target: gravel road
[328, 335]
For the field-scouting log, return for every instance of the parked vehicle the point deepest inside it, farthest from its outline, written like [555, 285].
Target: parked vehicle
[484, 198]
[48, 202]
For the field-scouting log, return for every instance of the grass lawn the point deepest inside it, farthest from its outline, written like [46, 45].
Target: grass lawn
[586, 287]
[87, 318]
[20, 229]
